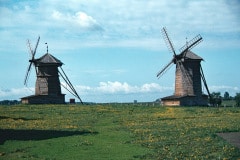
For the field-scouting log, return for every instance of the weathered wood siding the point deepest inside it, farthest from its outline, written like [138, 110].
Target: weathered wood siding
[47, 82]
[187, 101]
[188, 78]
[44, 99]
[171, 102]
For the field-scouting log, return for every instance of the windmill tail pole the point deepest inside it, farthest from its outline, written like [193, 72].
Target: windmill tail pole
[68, 90]
[205, 82]
[70, 85]
[71, 91]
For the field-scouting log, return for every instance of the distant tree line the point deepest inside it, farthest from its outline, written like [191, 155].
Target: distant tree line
[9, 102]
[216, 98]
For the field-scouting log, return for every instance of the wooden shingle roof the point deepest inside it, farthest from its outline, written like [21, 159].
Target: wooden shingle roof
[48, 59]
[191, 55]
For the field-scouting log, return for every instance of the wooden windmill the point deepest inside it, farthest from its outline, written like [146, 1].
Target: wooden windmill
[188, 75]
[48, 86]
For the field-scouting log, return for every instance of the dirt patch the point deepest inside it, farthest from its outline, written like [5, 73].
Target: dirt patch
[231, 137]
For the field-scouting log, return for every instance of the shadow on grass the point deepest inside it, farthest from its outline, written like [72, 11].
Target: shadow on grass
[20, 118]
[26, 135]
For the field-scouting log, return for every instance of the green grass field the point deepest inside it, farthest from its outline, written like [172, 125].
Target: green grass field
[116, 131]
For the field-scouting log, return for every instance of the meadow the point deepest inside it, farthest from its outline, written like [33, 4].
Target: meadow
[116, 131]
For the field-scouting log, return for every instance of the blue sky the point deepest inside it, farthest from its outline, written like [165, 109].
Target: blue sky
[112, 50]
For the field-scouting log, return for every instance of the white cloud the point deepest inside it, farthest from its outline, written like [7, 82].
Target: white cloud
[153, 87]
[80, 20]
[126, 23]
[113, 87]
[116, 87]
[84, 20]
[224, 88]
[15, 93]
[115, 91]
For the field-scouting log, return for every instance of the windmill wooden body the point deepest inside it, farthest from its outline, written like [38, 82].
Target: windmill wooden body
[48, 86]
[188, 75]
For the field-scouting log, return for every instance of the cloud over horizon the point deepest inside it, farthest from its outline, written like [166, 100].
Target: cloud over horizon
[148, 91]
[117, 87]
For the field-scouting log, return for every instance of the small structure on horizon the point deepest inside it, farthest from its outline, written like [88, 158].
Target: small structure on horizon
[47, 86]
[72, 101]
[188, 75]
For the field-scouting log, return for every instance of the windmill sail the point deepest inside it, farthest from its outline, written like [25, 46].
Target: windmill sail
[168, 41]
[159, 74]
[171, 49]
[189, 45]
[31, 60]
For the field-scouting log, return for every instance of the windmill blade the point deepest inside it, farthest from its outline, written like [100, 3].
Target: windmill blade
[160, 73]
[34, 52]
[73, 91]
[204, 81]
[31, 60]
[27, 74]
[30, 48]
[30, 65]
[168, 41]
[189, 45]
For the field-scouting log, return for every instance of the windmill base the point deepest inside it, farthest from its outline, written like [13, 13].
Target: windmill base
[185, 100]
[44, 99]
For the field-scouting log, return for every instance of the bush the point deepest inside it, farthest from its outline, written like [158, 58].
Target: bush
[216, 99]
[237, 99]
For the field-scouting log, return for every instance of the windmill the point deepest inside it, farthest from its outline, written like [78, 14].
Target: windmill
[188, 75]
[48, 86]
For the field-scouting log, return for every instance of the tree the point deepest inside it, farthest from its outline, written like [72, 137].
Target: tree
[216, 99]
[226, 96]
[237, 99]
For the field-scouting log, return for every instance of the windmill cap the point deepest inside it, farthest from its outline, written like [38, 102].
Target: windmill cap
[191, 55]
[48, 59]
